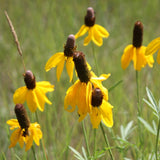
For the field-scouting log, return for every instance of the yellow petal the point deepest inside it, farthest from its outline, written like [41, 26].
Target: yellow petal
[96, 37]
[89, 37]
[150, 60]
[106, 111]
[54, 60]
[20, 95]
[81, 117]
[82, 31]
[21, 140]
[70, 67]
[32, 101]
[15, 137]
[127, 56]
[60, 68]
[102, 31]
[88, 95]
[13, 123]
[153, 46]
[29, 142]
[95, 117]
[158, 57]
[45, 86]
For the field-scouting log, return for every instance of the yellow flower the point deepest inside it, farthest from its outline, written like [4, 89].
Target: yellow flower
[153, 47]
[34, 93]
[95, 31]
[25, 132]
[100, 108]
[58, 59]
[136, 52]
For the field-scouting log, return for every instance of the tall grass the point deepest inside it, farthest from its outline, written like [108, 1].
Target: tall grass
[42, 28]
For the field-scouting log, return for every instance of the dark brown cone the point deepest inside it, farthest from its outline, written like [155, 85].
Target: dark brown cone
[138, 34]
[97, 97]
[89, 19]
[22, 117]
[81, 66]
[70, 47]
[29, 80]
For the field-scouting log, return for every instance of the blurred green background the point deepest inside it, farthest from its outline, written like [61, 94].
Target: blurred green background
[42, 28]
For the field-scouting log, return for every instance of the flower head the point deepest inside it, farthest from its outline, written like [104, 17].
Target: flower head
[33, 93]
[153, 47]
[95, 31]
[79, 93]
[100, 109]
[58, 59]
[136, 52]
[25, 131]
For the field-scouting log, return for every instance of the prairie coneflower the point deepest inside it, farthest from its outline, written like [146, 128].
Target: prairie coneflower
[101, 108]
[153, 47]
[135, 51]
[58, 59]
[25, 132]
[78, 94]
[34, 92]
[95, 31]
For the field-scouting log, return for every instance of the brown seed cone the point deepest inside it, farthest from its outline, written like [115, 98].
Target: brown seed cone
[29, 80]
[97, 97]
[89, 19]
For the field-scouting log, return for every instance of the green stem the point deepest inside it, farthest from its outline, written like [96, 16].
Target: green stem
[156, 149]
[42, 143]
[34, 153]
[95, 132]
[106, 140]
[86, 140]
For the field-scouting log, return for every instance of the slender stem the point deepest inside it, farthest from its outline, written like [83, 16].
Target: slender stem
[95, 132]
[106, 140]
[95, 59]
[86, 140]
[156, 149]
[42, 143]
[34, 153]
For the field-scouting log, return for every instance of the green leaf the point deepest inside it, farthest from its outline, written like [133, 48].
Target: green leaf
[77, 154]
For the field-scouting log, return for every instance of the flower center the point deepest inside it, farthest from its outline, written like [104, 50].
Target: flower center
[89, 19]
[97, 97]
[29, 80]
[138, 34]
[22, 117]
[81, 66]
[70, 47]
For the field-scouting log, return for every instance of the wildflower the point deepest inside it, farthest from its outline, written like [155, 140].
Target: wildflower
[78, 94]
[95, 31]
[59, 59]
[34, 92]
[101, 109]
[25, 131]
[153, 47]
[136, 51]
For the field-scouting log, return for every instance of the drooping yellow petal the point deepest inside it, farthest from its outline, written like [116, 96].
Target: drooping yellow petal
[150, 60]
[81, 117]
[96, 37]
[95, 117]
[158, 57]
[20, 95]
[45, 86]
[29, 142]
[89, 37]
[88, 95]
[60, 68]
[82, 31]
[13, 123]
[32, 101]
[102, 31]
[15, 137]
[153, 46]
[106, 112]
[70, 67]
[54, 60]
[127, 56]
[21, 140]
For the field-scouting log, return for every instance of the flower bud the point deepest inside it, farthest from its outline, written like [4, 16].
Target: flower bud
[29, 80]
[138, 34]
[97, 97]
[70, 46]
[90, 17]
[81, 66]
[22, 117]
